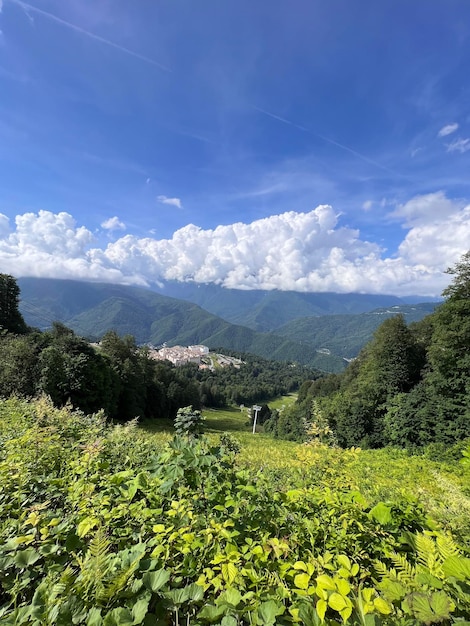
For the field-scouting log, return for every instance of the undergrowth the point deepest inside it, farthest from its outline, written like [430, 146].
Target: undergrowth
[108, 525]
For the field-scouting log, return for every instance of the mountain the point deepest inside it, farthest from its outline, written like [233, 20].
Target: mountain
[91, 309]
[321, 341]
[265, 311]
[345, 335]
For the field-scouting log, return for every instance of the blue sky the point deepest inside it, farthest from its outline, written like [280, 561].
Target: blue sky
[123, 123]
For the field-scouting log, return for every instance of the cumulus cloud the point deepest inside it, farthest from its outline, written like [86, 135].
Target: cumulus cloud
[307, 251]
[171, 201]
[447, 130]
[113, 223]
[427, 244]
[459, 145]
[426, 209]
[52, 245]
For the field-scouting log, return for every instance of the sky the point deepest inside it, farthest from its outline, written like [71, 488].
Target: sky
[310, 145]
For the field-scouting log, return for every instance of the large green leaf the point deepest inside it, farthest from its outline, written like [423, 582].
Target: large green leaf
[382, 513]
[211, 613]
[337, 602]
[156, 580]
[269, 610]
[119, 617]
[429, 608]
[140, 609]
[94, 617]
[24, 558]
[231, 597]
[458, 567]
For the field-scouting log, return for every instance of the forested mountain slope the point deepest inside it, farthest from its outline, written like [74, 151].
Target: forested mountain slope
[91, 309]
[346, 335]
[268, 310]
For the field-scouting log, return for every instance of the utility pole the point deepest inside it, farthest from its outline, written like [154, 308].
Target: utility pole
[256, 409]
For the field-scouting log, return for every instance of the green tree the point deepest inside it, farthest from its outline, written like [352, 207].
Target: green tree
[390, 364]
[449, 357]
[18, 365]
[10, 316]
[71, 370]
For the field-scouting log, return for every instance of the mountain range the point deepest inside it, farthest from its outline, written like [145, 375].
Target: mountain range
[320, 330]
[266, 311]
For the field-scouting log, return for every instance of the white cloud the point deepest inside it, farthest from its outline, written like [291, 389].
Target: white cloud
[51, 245]
[428, 245]
[113, 223]
[367, 205]
[460, 145]
[171, 201]
[448, 130]
[425, 209]
[4, 223]
[292, 251]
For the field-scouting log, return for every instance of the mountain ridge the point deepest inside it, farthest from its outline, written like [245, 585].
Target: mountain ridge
[322, 341]
[91, 309]
[266, 311]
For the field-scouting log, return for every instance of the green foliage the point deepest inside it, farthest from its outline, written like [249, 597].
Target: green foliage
[101, 525]
[188, 422]
[254, 381]
[124, 380]
[410, 386]
[11, 319]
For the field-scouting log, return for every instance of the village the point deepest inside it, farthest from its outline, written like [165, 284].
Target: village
[199, 354]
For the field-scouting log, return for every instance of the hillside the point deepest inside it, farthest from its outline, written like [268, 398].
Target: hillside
[108, 525]
[266, 311]
[91, 309]
[345, 335]
[321, 341]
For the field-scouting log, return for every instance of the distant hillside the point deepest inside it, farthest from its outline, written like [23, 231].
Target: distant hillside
[345, 335]
[266, 311]
[323, 341]
[91, 309]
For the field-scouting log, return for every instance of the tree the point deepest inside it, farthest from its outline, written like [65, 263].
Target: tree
[449, 357]
[10, 316]
[71, 370]
[460, 286]
[18, 364]
[390, 364]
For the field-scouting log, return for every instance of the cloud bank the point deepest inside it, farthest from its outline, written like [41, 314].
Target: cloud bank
[292, 251]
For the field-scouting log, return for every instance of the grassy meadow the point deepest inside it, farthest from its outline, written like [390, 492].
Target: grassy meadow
[440, 485]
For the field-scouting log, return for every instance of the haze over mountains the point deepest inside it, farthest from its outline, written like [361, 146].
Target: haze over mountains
[317, 329]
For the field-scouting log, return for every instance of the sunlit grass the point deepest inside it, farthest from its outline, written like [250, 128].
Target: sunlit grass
[380, 475]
